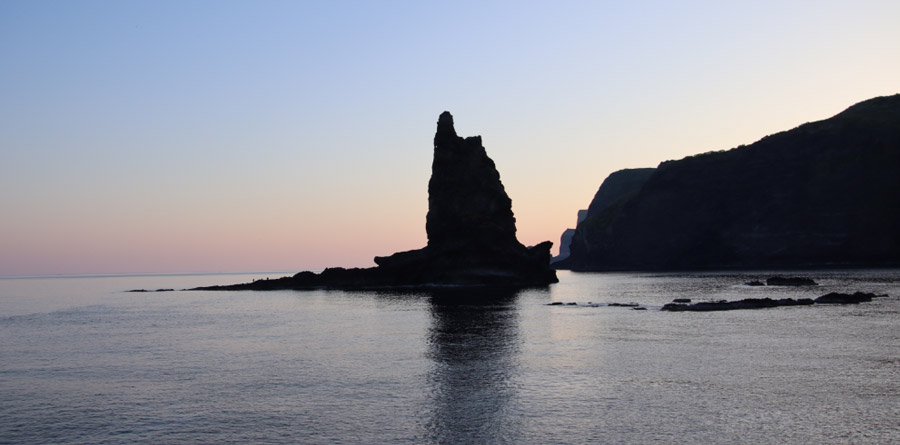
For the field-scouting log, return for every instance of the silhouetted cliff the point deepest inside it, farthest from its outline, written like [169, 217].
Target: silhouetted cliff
[471, 233]
[564, 241]
[566, 238]
[823, 194]
[614, 192]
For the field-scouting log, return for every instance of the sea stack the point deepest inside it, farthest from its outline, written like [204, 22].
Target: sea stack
[470, 224]
[471, 233]
[467, 205]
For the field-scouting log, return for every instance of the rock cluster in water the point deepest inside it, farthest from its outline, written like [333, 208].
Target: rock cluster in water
[783, 281]
[471, 233]
[790, 281]
[747, 303]
[762, 303]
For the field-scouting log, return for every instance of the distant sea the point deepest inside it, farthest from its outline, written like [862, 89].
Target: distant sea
[82, 361]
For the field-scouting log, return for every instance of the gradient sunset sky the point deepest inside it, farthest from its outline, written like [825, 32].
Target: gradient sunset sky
[204, 136]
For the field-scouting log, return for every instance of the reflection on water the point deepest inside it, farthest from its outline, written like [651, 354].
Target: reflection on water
[83, 362]
[474, 345]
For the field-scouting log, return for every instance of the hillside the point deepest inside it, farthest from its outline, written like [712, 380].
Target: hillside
[826, 193]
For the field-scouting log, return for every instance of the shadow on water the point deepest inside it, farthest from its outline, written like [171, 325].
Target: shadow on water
[474, 346]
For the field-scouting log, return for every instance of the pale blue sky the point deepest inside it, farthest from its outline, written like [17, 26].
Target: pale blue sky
[221, 136]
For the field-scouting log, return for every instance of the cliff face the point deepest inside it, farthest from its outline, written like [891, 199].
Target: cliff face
[564, 241]
[823, 194]
[614, 192]
[566, 238]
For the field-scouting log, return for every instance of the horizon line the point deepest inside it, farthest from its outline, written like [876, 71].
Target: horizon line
[144, 274]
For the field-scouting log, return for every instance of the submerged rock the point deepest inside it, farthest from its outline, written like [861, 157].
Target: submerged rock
[760, 303]
[790, 281]
[747, 303]
[471, 233]
[839, 298]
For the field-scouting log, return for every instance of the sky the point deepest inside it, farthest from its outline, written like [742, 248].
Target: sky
[220, 136]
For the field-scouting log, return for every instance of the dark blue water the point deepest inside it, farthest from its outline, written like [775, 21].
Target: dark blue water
[83, 362]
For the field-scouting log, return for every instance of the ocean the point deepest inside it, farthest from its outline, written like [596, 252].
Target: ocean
[83, 361]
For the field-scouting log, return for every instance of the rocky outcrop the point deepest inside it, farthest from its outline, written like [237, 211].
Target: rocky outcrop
[790, 281]
[747, 303]
[467, 205]
[764, 303]
[471, 233]
[854, 298]
[824, 194]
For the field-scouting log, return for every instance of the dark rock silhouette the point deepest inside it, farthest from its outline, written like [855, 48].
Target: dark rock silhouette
[467, 204]
[614, 192]
[747, 303]
[854, 298]
[566, 238]
[471, 233]
[564, 241]
[825, 194]
[790, 281]
[763, 303]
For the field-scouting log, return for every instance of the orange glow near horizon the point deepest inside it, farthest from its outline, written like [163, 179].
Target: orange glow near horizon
[252, 139]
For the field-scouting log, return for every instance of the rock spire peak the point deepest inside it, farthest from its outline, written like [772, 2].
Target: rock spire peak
[445, 125]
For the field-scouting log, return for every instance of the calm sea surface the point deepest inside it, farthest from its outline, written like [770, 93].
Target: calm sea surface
[81, 361]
